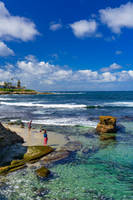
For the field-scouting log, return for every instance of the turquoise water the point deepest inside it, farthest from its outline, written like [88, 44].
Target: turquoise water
[103, 173]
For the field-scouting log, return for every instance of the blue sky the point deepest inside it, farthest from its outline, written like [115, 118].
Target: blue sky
[67, 45]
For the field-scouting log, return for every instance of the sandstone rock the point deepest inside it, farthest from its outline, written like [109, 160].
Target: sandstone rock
[107, 124]
[36, 152]
[42, 172]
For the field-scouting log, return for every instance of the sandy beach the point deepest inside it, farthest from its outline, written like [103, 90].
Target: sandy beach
[35, 138]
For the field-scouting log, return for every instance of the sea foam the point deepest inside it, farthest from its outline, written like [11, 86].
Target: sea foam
[26, 104]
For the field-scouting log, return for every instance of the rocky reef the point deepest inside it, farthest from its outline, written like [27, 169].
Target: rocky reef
[33, 154]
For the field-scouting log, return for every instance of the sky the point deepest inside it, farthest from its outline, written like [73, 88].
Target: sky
[67, 45]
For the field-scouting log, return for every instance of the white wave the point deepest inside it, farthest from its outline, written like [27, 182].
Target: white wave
[65, 122]
[26, 104]
[6, 99]
[120, 104]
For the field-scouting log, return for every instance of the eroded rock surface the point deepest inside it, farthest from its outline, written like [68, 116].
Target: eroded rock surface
[107, 124]
[33, 154]
[8, 137]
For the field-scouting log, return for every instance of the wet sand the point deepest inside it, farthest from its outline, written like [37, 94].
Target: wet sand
[34, 137]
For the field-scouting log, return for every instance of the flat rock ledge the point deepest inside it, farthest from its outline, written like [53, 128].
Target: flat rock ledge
[33, 154]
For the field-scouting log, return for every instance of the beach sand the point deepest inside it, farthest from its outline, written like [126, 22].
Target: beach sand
[34, 137]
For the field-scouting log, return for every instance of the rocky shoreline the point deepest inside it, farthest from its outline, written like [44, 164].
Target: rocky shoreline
[16, 156]
[21, 156]
[24, 92]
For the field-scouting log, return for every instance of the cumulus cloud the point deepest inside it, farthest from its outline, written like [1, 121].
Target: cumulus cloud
[118, 18]
[55, 26]
[4, 50]
[84, 28]
[112, 67]
[15, 27]
[43, 75]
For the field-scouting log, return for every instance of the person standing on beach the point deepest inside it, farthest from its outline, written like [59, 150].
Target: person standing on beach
[30, 125]
[45, 137]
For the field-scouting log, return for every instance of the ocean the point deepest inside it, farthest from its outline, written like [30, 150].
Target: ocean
[105, 173]
[67, 108]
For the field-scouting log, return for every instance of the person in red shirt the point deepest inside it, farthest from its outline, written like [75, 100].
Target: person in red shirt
[45, 137]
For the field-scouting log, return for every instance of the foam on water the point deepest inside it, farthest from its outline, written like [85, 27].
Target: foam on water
[29, 104]
[5, 99]
[64, 122]
[119, 104]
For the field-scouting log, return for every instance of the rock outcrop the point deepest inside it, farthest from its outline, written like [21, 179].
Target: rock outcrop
[7, 137]
[33, 154]
[107, 124]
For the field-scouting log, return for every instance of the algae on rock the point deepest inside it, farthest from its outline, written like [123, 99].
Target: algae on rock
[42, 172]
[33, 154]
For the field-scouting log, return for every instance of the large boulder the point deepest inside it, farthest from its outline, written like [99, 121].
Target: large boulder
[107, 124]
[8, 137]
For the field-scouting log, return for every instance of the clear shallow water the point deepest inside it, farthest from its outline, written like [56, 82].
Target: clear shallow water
[105, 172]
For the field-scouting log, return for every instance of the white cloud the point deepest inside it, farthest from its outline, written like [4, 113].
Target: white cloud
[55, 26]
[43, 75]
[15, 27]
[86, 75]
[112, 67]
[4, 50]
[84, 28]
[108, 77]
[118, 18]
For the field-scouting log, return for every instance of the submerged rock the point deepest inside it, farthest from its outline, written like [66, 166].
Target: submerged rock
[107, 124]
[108, 136]
[56, 156]
[42, 172]
[72, 146]
[33, 154]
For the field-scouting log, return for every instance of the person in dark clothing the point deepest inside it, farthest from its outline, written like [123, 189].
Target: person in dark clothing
[30, 125]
